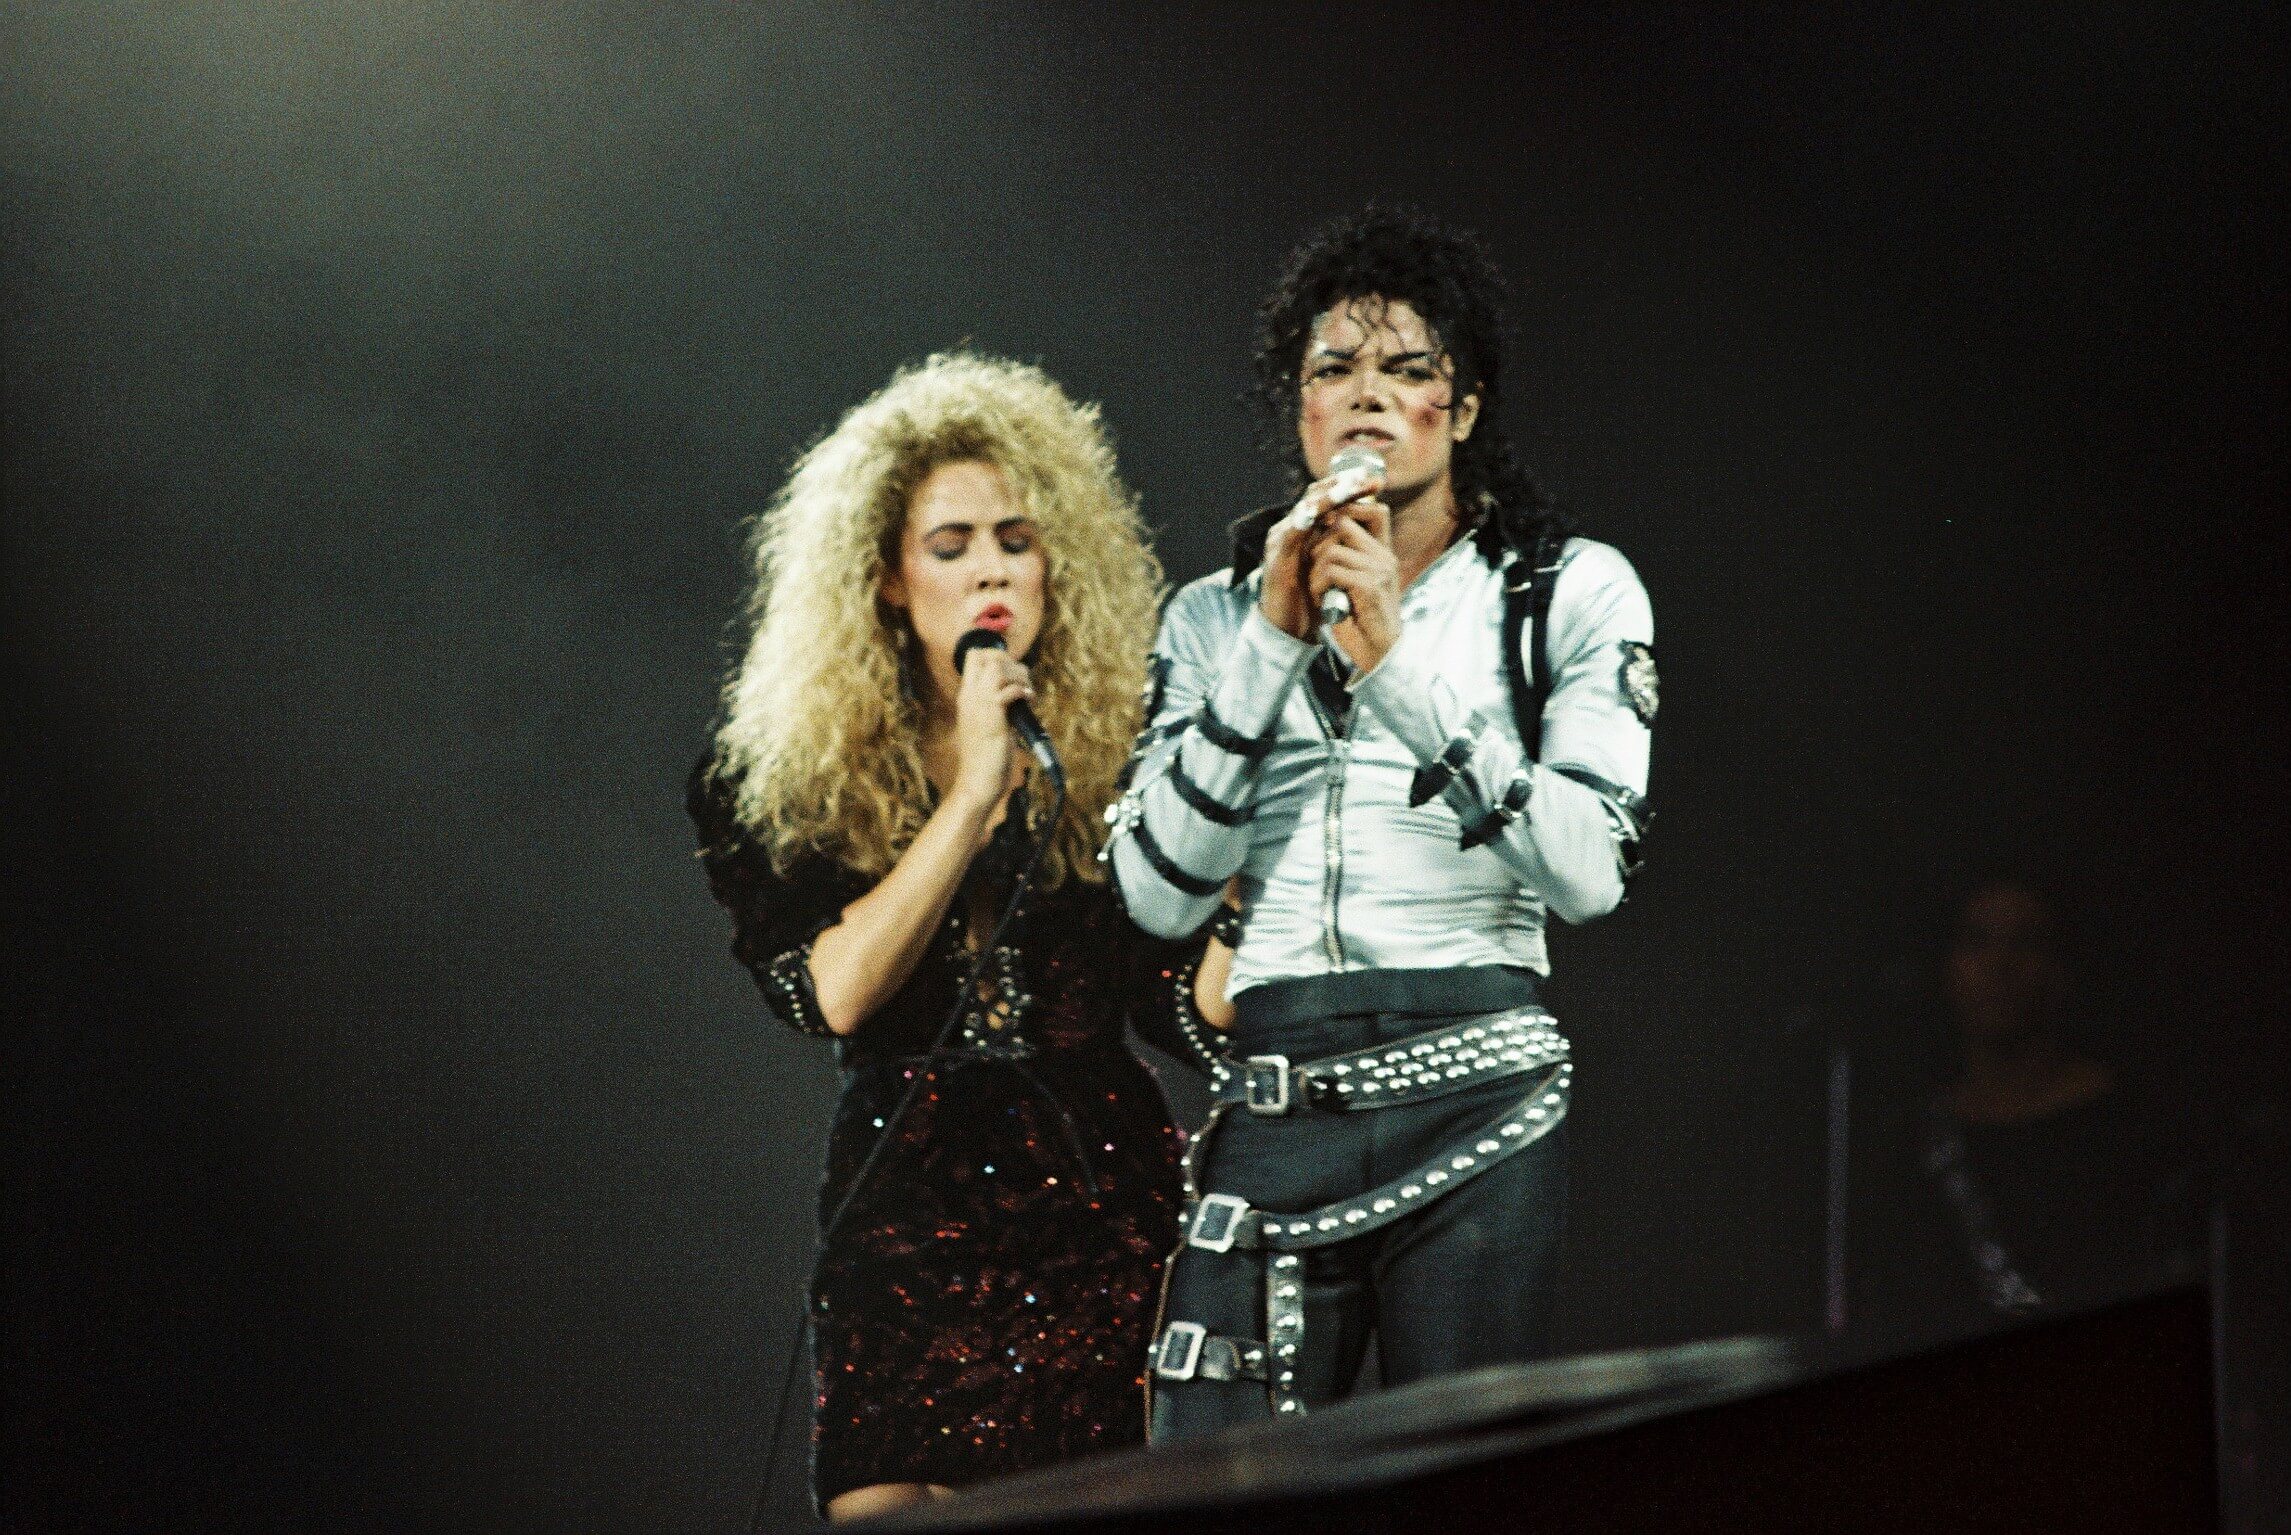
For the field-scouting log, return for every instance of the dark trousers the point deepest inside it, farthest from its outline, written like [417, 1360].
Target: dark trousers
[1468, 1281]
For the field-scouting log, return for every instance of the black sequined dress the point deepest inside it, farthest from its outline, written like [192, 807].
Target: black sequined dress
[983, 1307]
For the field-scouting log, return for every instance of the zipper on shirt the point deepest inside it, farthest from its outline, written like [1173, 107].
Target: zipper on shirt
[1332, 829]
[1332, 848]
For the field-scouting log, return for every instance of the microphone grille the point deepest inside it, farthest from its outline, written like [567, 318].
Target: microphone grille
[1356, 457]
[976, 639]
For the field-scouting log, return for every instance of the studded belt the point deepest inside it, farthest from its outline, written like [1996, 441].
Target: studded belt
[1411, 1070]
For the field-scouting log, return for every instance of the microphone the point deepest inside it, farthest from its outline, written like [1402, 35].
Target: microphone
[1360, 464]
[1022, 717]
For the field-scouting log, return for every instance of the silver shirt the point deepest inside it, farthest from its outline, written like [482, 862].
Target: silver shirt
[1337, 871]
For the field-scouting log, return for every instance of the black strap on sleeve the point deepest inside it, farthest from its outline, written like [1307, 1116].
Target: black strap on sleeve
[1632, 805]
[1510, 808]
[1225, 738]
[1434, 776]
[1199, 800]
[1626, 810]
[1167, 868]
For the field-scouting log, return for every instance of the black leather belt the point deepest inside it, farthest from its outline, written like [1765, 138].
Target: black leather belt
[1412, 1070]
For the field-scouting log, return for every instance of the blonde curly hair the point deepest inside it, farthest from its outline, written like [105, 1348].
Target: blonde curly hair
[819, 733]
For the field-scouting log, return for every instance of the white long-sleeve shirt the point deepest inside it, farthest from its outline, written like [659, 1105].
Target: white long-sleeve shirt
[1242, 772]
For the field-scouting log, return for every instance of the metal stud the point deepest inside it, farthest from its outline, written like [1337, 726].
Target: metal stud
[1485, 1147]
[1299, 1228]
[1355, 1217]
[1291, 1404]
[1286, 1260]
[1436, 1176]
[1411, 1190]
[1326, 1223]
[1383, 1205]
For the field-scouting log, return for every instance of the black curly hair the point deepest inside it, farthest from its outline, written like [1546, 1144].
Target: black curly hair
[1447, 276]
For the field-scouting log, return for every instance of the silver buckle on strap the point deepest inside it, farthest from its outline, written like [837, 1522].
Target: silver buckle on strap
[1257, 1072]
[1180, 1352]
[1216, 1222]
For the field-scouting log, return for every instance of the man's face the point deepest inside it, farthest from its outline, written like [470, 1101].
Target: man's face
[1374, 374]
[2005, 976]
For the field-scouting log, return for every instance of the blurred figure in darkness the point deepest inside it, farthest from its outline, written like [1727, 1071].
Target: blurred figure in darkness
[2037, 1175]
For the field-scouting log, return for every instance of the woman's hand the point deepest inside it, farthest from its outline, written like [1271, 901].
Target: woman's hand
[858, 964]
[988, 761]
[1289, 549]
[1357, 559]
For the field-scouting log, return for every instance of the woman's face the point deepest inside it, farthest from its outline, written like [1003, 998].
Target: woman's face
[968, 558]
[1373, 374]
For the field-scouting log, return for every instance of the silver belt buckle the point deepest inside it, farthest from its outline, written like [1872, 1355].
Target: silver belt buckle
[1255, 1070]
[1180, 1352]
[1216, 1222]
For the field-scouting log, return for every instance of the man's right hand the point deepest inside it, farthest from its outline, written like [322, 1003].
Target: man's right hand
[1289, 606]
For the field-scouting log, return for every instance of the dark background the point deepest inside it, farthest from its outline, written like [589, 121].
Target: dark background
[394, 1144]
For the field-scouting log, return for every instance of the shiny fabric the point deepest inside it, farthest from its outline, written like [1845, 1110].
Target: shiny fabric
[1338, 871]
[983, 1308]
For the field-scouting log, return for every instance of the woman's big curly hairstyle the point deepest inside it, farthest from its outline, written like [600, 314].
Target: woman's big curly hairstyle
[1448, 277]
[821, 734]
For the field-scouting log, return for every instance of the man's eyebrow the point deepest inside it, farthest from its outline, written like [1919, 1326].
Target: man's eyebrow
[1343, 353]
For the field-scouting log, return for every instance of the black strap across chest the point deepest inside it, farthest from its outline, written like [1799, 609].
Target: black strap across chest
[1526, 632]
